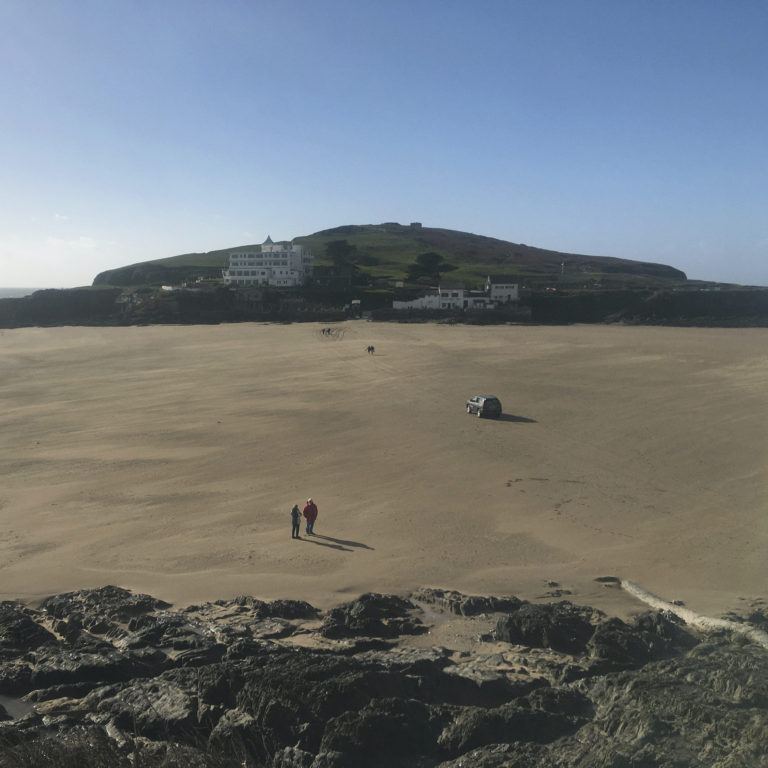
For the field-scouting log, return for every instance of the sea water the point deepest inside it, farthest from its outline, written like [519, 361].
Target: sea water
[17, 293]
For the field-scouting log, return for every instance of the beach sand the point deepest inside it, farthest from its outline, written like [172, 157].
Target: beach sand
[165, 459]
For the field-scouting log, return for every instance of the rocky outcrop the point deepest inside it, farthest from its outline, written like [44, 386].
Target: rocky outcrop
[371, 615]
[466, 605]
[19, 633]
[560, 626]
[107, 677]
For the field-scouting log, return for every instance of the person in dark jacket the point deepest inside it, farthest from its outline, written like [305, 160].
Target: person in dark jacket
[310, 515]
[295, 521]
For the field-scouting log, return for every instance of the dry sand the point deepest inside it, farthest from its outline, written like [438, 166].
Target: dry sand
[166, 460]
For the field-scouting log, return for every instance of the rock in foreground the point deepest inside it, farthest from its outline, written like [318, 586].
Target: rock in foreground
[107, 677]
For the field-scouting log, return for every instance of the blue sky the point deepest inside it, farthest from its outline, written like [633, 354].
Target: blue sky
[139, 129]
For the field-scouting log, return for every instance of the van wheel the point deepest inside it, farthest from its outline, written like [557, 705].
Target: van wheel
[469, 410]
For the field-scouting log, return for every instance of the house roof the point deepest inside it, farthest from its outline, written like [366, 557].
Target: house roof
[268, 241]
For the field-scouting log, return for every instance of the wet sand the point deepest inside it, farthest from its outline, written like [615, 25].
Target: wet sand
[165, 459]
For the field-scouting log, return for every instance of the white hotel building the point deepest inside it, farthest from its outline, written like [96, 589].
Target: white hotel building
[280, 264]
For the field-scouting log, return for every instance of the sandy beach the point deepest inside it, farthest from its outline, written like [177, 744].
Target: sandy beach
[165, 459]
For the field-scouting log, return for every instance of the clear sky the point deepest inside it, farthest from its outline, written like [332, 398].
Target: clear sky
[138, 129]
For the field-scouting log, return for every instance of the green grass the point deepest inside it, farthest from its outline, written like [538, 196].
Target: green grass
[396, 247]
[385, 252]
[210, 259]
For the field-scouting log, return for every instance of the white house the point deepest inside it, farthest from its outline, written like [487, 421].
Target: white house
[430, 301]
[447, 297]
[279, 264]
[502, 292]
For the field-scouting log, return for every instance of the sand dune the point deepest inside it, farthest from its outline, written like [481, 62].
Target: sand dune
[166, 460]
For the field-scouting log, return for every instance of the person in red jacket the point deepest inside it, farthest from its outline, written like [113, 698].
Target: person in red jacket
[310, 515]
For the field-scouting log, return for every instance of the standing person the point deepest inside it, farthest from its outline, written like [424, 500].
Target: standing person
[295, 521]
[310, 514]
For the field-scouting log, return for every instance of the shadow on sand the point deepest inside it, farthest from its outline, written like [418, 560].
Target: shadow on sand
[312, 539]
[339, 542]
[519, 419]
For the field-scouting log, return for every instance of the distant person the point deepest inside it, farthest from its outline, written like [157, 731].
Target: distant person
[310, 515]
[295, 521]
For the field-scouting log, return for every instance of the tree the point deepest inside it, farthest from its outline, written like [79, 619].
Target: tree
[428, 264]
[341, 253]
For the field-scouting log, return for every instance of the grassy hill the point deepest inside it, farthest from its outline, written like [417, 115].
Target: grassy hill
[384, 252]
[387, 250]
[366, 263]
